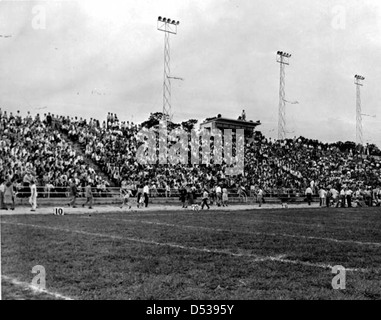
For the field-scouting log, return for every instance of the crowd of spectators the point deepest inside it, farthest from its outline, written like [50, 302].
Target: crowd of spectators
[272, 165]
[33, 148]
[298, 163]
[36, 147]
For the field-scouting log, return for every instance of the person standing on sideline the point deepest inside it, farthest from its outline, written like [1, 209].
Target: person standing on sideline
[342, 197]
[348, 195]
[322, 197]
[252, 191]
[357, 197]
[328, 197]
[190, 196]
[183, 196]
[334, 195]
[2, 188]
[126, 194]
[212, 195]
[89, 196]
[260, 196]
[379, 196]
[33, 195]
[146, 194]
[368, 196]
[167, 191]
[9, 196]
[309, 195]
[242, 193]
[218, 195]
[205, 198]
[139, 195]
[224, 196]
[73, 193]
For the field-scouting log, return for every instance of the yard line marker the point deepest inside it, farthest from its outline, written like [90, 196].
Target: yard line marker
[341, 217]
[244, 232]
[319, 265]
[35, 289]
[255, 258]
[312, 225]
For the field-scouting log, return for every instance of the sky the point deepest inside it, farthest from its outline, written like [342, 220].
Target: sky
[87, 58]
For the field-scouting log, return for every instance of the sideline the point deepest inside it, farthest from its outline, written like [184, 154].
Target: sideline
[20, 210]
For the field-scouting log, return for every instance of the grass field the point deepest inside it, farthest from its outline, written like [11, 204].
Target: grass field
[257, 254]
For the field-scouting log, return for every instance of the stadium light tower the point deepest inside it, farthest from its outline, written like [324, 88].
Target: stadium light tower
[358, 83]
[283, 60]
[168, 26]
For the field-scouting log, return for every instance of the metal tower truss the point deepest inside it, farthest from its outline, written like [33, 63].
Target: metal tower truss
[168, 26]
[359, 133]
[282, 59]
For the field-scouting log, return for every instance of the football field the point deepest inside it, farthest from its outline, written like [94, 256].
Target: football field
[247, 254]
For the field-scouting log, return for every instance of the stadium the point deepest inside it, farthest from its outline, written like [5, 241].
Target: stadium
[209, 207]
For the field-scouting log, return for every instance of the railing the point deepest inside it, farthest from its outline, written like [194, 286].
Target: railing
[114, 192]
[62, 192]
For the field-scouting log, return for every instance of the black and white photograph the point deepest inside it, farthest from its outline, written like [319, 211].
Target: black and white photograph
[190, 154]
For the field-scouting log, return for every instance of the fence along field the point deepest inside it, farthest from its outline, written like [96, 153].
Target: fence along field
[262, 254]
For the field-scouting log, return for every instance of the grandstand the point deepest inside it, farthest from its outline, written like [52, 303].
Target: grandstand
[54, 150]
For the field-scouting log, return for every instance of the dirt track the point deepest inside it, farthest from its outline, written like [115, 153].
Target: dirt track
[152, 208]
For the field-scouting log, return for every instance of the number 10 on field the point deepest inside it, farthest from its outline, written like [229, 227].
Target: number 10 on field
[58, 211]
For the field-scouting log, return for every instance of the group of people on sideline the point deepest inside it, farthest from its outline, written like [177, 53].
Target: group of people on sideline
[347, 196]
[8, 195]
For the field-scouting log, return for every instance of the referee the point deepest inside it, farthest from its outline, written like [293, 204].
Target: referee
[309, 195]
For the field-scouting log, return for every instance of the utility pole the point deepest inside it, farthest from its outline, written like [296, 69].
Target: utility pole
[283, 60]
[167, 26]
[358, 83]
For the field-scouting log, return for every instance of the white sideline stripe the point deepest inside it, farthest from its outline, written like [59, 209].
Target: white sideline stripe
[244, 232]
[311, 225]
[255, 258]
[28, 286]
[341, 217]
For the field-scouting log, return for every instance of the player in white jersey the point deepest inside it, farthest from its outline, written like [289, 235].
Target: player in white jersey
[260, 196]
[33, 195]
[335, 196]
[348, 196]
[126, 195]
[225, 196]
[322, 197]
